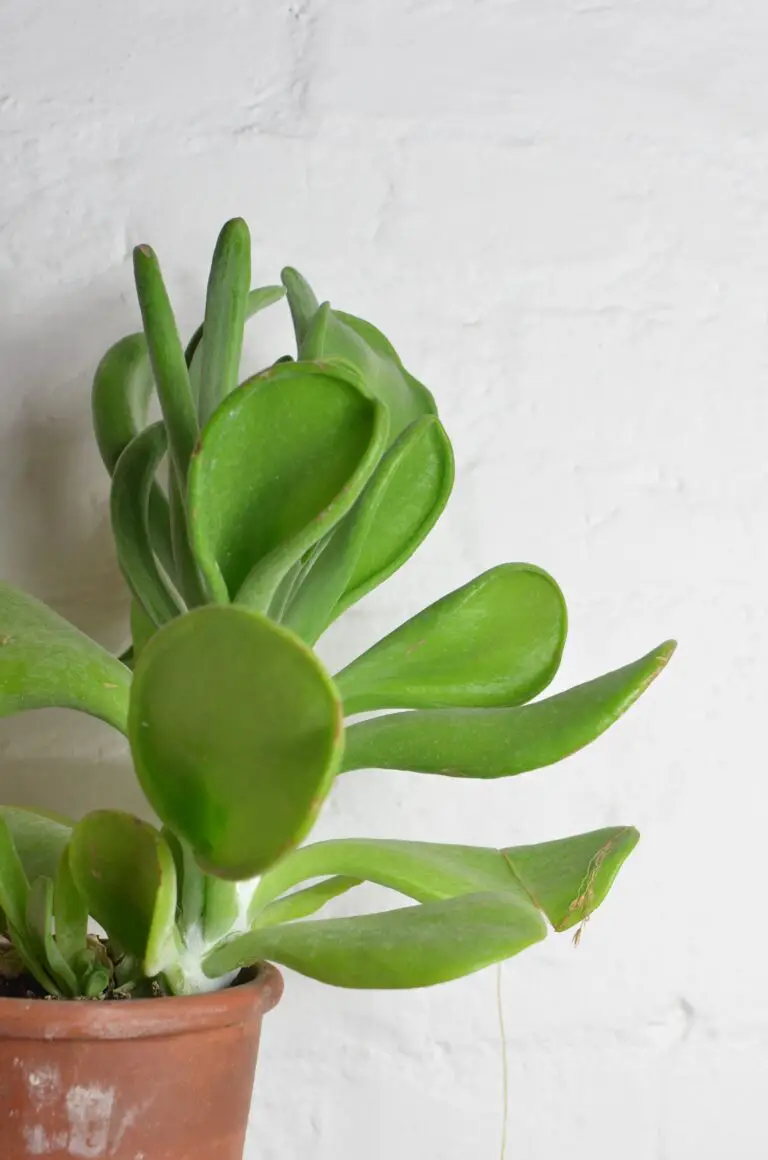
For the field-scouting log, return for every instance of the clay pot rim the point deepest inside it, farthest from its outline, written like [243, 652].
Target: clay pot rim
[142, 1018]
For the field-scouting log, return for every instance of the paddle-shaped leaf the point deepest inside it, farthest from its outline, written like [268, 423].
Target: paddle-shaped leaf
[122, 388]
[39, 839]
[132, 484]
[125, 870]
[399, 506]
[413, 947]
[236, 732]
[490, 743]
[495, 641]
[225, 308]
[70, 913]
[45, 661]
[332, 340]
[167, 357]
[281, 461]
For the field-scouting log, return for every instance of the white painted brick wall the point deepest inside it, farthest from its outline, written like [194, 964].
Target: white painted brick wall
[558, 209]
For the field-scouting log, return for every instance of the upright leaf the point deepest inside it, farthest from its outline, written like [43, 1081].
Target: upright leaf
[258, 299]
[397, 509]
[167, 357]
[225, 309]
[488, 743]
[70, 912]
[40, 937]
[281, 461]
[132, 484]
[236, 734]
[40, 839]
[301, 300]
[46, 661]
[125, 870]
[122, 388]
[417, 946]
[495, 641]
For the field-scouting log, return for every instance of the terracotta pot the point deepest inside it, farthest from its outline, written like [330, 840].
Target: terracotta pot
[148, 1079]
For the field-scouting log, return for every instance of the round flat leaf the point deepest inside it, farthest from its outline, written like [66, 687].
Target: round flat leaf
[281, 461]
[495, 641]
[125, 870]
[236, 732]
[499, 742]
[417, 946]
[46, 661]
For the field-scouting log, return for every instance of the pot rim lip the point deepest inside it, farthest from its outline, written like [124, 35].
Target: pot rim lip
[168, 1015]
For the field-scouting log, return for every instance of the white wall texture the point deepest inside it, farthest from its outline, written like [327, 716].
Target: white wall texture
[558, 210]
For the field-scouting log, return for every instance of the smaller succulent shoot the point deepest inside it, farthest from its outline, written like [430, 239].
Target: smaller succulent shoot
[286, 499]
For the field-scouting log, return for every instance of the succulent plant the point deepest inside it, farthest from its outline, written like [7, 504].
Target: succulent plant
[286, 500]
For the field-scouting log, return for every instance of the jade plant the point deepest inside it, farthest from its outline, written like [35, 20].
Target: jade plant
[246, 520]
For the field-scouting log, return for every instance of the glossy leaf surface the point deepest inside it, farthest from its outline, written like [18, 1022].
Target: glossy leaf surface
[496, 641]
[236, 732]
[280, 462]
[45, 661]
[487, 743]
[126, 872]
[225, 308]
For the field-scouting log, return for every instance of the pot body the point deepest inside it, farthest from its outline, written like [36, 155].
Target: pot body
[147, 1079]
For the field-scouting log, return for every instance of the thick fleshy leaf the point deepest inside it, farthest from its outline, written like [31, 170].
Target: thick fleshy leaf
[122, 388]
[189, 580]
[125, 870]
[167, 357]
[417, 946]
[14, 884]
[132, 484]
[301, 300]
[39, 933]
[39, 839]
[236, 732]
[225, 308]
[281, 461]
[397, 509]
[488, 743]
[331, 339]
[495, 641]
[221, 908]
[142, 630]
[569, 878]
[424, 871]
[191, 882]
[70, 912]
[258, 299]
[46, 661]
[303, 903]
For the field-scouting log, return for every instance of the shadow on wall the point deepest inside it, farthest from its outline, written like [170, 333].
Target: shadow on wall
[55, 540]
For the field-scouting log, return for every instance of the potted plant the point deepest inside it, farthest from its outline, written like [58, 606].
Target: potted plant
[286, 500]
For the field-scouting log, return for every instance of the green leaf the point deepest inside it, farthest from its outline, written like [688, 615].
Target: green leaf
[129, 509]
[281, 461]
[40, 839]
[221, 908]
[417, 946]
[569, 878]
[258, 299]
[236, 732]
[122, 388]
[142, 629]
[424, 871]
[332, 340]
[225, 309]
[45, 661]
[496, 641]
[301, 301]
[302, 903]
[190, 582]
[70, 912]
[498, 742]
[399, 506]
[14, 884]
[167, 357]
[191, 883]
[126, 872]
[40, 935]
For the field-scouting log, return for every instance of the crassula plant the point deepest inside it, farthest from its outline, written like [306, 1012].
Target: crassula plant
[246, 520]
